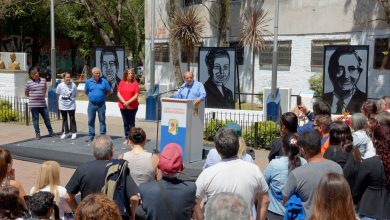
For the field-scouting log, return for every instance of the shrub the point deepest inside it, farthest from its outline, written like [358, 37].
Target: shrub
[316, 83]
[4, 104]
[267, 131]
[6, 113]
[212, 127]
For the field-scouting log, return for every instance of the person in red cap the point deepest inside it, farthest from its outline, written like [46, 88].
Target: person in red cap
[170, 197]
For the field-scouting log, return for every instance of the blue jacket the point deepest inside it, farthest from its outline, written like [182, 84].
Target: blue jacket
[294, 209]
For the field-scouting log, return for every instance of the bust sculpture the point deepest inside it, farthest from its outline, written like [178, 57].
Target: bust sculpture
[2, 66]
[14, 65]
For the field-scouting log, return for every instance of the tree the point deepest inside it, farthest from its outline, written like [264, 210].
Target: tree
[187, 27]
[219, 12]
[252, 36]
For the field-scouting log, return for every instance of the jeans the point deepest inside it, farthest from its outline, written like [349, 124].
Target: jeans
[128, 117]
[100, 108]
[35, 111]
[65, 127]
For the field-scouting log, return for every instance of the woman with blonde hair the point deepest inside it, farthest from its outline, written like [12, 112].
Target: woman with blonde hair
[7, 174]
[49, 181]
[332, 199]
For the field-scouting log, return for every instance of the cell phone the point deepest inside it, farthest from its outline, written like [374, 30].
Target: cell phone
[299, 100]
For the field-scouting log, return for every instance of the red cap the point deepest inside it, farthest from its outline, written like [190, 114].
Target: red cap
[171, 159]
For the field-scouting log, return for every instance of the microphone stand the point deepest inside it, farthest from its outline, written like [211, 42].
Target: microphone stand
[156, 151]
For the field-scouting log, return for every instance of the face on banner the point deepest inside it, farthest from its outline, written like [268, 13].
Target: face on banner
[109, 67]
[221, 70]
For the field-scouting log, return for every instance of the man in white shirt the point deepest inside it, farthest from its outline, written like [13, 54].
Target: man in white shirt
[232, 175]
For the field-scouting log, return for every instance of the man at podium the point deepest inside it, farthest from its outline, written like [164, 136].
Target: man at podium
[191, 89]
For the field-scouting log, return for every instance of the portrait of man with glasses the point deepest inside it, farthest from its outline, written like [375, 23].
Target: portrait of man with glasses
[345, 73]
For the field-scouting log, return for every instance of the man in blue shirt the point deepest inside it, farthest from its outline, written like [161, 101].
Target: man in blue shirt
[96, 88]
[192, 90]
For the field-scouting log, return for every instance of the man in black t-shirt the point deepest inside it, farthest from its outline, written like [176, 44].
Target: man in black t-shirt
[89, 177]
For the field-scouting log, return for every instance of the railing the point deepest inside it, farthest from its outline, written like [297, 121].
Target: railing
[15, 109]
[257, 132]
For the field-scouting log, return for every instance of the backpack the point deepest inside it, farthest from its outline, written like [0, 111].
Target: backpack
[115, 184]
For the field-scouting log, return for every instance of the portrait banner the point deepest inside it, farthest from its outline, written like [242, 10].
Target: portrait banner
[111, 61]
[345, 78]
[217, 71]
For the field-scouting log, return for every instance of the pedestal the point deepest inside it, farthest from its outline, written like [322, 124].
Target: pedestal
[13, 82]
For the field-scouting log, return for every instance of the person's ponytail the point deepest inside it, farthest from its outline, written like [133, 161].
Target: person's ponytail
[291, 150]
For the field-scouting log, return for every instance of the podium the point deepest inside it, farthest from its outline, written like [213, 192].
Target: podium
[182, 123]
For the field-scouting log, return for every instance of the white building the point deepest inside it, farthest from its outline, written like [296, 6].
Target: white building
[305, 26]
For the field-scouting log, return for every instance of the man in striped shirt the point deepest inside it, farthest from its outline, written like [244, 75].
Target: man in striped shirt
[36, 92]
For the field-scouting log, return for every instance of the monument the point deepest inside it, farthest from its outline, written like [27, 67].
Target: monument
[2, 66]
[13, 75]
[13, 65]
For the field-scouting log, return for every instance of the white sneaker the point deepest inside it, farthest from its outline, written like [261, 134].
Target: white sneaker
[74, 136]
[63, 136]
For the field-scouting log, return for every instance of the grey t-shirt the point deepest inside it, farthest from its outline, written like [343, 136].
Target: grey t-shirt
[303, 181]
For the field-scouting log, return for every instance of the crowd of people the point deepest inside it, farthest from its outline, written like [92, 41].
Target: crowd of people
[326, 169]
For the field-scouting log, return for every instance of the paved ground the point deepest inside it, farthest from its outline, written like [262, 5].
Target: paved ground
[26, 172]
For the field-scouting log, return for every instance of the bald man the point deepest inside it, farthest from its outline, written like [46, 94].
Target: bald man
[191, 89]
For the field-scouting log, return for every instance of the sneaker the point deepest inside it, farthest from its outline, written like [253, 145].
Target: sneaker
[63, 136]
[37, 136]
[89, 139]
[74, 136]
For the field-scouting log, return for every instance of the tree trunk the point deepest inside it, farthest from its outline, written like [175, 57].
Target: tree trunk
[174, 47]
[253, 76]
[189, 58]
[222, 23]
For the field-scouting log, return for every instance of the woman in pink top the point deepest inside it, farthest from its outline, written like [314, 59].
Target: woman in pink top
[128, 100]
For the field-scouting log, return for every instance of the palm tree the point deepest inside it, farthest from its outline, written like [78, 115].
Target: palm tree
[252, 36]
[187, 27]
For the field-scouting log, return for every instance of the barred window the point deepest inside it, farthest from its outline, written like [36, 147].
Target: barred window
[195, 54]
[161, 52]
[239, 52]
[284, 54]
[191, 2]
[317, 51]
[381, 54]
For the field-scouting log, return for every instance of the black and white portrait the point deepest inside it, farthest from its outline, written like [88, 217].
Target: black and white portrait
[111, 61]
[217, 73]
[345, 77]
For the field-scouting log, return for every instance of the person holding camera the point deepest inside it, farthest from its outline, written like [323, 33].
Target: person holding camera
[67, 92]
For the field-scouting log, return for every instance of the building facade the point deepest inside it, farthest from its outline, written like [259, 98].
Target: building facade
[305, 26]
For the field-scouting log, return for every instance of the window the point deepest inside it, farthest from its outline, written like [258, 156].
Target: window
[284, 54]
[381, 54]
[317, 51]
[191, 2]
[195, 54]
[239, 52]
[161, 52]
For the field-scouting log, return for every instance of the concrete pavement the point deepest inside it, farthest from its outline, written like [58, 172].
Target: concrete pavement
[26, 172]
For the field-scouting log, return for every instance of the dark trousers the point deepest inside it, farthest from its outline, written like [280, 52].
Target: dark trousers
[128, 117]
[100, 108]
[72, 121]
[35, 111]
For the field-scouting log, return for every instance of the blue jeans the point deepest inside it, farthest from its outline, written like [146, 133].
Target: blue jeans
[128, 117]
[100, 108]
[35, 111]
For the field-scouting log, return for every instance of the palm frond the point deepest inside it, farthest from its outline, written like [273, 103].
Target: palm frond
[254, 29]
[187, 27]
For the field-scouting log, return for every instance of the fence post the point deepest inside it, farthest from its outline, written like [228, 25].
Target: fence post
[26, 114]
[256, 134]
